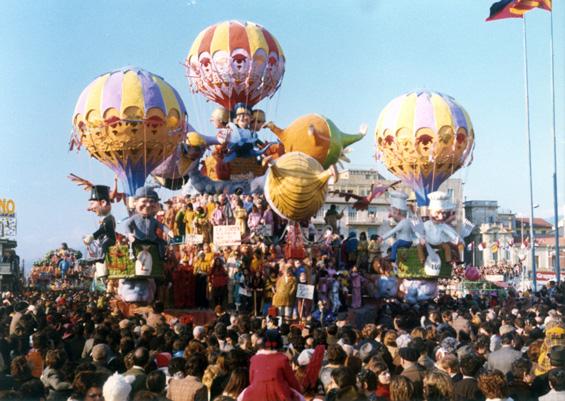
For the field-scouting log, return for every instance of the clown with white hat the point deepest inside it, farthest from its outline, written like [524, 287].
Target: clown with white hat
[437, 232]
[404, 229]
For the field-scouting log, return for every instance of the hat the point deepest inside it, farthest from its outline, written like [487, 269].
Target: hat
[557, 356]
[162, 359]
[398, 200]
[439, 201]
[409, 354]
[305, 357]
[100, 192]
[241, 108]
[146, 192]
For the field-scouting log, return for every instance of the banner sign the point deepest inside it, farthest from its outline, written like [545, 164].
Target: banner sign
[227, 235]
[305, 291]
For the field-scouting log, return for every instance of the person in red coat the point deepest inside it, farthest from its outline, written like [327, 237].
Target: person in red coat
[219, 282]
[270, 376]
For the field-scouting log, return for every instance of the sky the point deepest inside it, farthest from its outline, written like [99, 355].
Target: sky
[344, 59]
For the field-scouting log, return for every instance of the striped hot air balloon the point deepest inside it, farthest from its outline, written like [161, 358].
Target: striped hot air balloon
[233, 62]
[423, 138]
[130, 120]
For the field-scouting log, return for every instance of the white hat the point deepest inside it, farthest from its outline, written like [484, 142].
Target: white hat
[305, 357]
[439, 201]
[398, 200]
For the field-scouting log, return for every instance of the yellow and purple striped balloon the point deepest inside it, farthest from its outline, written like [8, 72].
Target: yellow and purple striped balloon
[130, 120]
[235, 62]
[423, 138]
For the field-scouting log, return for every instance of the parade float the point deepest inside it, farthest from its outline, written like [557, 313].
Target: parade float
[423, 138]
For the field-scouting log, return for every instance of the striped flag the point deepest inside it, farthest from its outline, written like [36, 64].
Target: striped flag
[482, 246]
[516, 8]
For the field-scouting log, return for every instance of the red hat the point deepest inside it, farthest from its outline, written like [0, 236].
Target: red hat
[162, 359]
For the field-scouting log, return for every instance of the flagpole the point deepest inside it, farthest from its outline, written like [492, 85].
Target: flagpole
[555, 201]
[527, 104]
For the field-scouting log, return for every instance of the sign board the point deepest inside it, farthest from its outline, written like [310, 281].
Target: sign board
[245, 292]
[193, 239]
[305, 291]
[7, 208]
[494, 278]
[545, 277]
[227, 235]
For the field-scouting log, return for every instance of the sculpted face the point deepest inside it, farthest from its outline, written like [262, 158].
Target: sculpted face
[439, 215]
[99, 207]
[146, 207]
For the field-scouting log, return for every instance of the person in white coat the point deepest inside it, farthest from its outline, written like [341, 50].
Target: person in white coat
[436, 231]
[403, 231]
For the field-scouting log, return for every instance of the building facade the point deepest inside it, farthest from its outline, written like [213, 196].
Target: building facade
[375, 219]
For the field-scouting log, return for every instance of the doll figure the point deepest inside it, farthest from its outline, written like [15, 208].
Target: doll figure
[403, 231]
[143, 228]
[437, 232]
[99, 203]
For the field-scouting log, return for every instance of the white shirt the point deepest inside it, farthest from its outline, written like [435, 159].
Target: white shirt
[440, 233]
[404, 230]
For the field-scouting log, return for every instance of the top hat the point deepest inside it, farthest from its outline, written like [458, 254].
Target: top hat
[100, 192]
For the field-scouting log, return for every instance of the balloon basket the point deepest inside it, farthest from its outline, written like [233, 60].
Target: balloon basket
[410, 267]
[120, 265]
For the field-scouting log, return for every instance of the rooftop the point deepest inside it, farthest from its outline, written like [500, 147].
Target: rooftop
[538, 222]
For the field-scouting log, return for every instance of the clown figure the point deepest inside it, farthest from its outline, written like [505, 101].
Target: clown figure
[437, 231]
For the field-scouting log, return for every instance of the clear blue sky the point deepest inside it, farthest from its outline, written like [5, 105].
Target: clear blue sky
[345, 59]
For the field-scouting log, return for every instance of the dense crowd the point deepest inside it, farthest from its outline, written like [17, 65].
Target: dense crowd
[265, 342]
[70, 344]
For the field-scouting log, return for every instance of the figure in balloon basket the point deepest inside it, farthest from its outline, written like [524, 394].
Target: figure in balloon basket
[437, 232]
[403, 231]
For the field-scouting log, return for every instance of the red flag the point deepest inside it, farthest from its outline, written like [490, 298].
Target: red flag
[515, 8]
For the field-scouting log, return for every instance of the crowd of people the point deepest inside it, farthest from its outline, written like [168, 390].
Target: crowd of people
[76, 345]
[267, 341]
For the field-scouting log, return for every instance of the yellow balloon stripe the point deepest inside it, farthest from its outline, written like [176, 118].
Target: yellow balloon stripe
[221, 39]
[132, 92]
[407, 110]
[256, 38]
[442, 112]
[168, 95]
[94, 100]
[196, 45]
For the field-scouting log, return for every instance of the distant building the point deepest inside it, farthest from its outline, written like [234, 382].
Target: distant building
[505, 237]
[375, 219]
[542, 228]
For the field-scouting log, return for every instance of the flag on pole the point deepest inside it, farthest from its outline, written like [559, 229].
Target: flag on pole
[525, 243]
[482, 246]
[516, 8]
[494, 247]
[470, 246]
